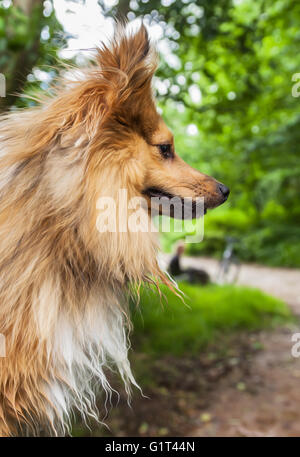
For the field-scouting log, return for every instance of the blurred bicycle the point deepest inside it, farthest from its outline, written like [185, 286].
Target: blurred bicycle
[229, 266]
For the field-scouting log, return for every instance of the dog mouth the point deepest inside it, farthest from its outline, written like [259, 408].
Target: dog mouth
[153, 192]
[166, 203]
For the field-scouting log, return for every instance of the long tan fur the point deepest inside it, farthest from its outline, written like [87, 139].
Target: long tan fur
[63, 284]
[59, 275]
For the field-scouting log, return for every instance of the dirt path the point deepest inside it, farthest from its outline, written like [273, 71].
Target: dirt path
[264, 400]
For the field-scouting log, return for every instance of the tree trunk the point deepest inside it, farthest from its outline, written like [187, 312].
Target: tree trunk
[27, 58]
[26, 5]
[123, 9]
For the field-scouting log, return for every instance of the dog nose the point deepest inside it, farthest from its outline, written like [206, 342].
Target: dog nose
[225, 191]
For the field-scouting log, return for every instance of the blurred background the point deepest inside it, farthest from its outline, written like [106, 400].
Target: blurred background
[227, 85]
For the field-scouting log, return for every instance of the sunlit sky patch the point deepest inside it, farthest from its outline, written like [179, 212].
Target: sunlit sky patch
[85, 27]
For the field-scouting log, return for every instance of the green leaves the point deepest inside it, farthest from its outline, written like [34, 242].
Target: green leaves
[23, 48]
[228, 72]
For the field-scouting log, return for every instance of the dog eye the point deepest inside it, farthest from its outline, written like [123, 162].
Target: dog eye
[166, 150]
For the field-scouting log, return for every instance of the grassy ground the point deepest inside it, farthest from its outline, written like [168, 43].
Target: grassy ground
[172, 327]
[182, 351]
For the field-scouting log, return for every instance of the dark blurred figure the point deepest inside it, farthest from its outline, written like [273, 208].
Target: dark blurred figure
[192, 275]
[174, 267]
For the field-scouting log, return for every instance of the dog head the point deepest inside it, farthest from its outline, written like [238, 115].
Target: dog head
[133, 124]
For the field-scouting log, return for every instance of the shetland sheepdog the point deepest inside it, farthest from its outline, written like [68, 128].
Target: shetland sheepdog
[63, 282]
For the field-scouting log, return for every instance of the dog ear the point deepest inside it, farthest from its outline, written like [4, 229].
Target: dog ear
[127, 65]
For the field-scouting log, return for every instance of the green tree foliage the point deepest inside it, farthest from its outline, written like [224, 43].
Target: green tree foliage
[240, 56]
[227, 79]
[29, 37]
